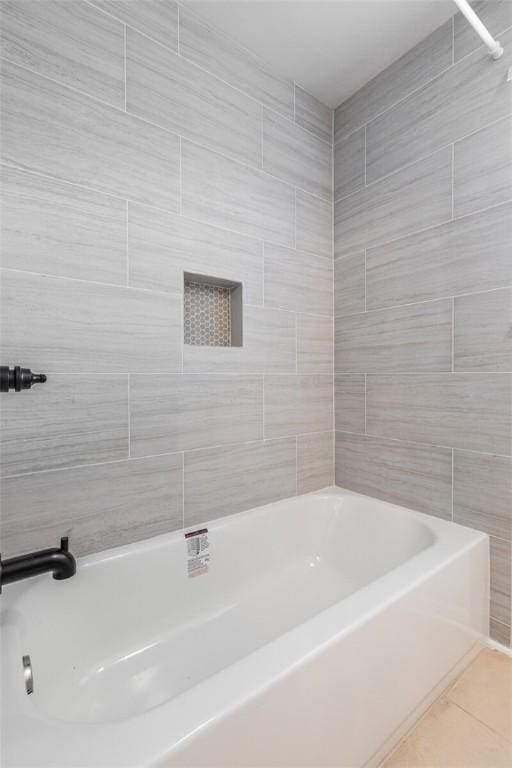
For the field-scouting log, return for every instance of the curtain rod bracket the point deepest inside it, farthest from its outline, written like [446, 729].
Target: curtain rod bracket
[495, 49]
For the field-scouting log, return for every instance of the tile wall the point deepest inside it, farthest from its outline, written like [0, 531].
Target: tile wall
[139, 143]
[423, 297]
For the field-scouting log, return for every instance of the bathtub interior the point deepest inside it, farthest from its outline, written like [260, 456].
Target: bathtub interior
[132, 630]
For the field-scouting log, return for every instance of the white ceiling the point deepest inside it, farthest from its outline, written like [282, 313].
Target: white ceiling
[329, 47]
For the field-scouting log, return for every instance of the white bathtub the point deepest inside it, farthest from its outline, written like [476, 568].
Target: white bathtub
[323, 625]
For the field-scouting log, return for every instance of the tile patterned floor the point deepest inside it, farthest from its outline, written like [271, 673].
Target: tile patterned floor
[469, 726]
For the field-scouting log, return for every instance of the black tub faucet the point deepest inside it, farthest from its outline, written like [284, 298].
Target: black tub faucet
[59, 561]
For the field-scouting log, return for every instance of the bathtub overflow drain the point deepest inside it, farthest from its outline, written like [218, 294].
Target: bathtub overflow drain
[27, 674]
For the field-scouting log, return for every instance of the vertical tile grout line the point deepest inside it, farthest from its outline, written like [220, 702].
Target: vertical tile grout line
[453, 478]
[453, 180]
[180, 201]
[125, 79]
[183, 489]
[453, 334]
[333, 352]
[129, 418]
[365, 389]
[364, 156]
[127, 245]
[296, 465]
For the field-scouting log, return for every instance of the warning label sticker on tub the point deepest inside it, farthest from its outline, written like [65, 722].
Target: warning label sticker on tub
[198, 552]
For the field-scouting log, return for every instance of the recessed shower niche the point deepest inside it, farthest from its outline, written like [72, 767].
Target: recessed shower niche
[212, 311]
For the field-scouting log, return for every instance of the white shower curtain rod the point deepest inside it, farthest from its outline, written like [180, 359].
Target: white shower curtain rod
[493, 45]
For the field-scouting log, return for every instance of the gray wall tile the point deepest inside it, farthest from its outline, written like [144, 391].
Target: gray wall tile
[62, 325]
[483, 331]
[483, 168]
[298, 281]
[349, 284]
[415, 68]
[71, 42]
[269, 347]
[70, 420]
[417, 337]
[297, 404]
[60, 229]
[97, 506]
[462, 256]
[226, 480]
[414, 198]
[75, 138]
[225, 58]
[413, 476]
[221, 192]
[500, 632]
[315, 344]
[296, 156]
[462, 410]
[349, 401]
[163, 245]
[313, 224]
[177, 413]
[315, 462]
[170, 91]
[501, 581]
[349, 164]
[482, 493]
[496, 15]
[156, 18]
[466, 97]
[313, 115]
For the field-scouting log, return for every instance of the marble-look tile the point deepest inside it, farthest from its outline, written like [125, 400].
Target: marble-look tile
[70, 136]
[313, 224]
[496, 15]
[471, 411]
[219, 191]
[484, 690]
[60, 229]
[222, 56]
[462, 256]
[464, 99]
[414, 476]
[71, 42]
[97, 506]
[222, 481]
[295, 405]
[70, 420]
[298, 281]
[61, 325]
[155, 18]
[170, 91]
[315, 462]
[483, 168]
[412, 70]
[483, 331]
[269, 347]
[500, 632]
[315, 344]
[449, 736]
[177, 413]
[313, 115]
[349, 402]
[501, 580]
[162, 246]
[349, 284]
[296, 156]
[414, 198]
[411, 338]
[349, 162]
[482, 493]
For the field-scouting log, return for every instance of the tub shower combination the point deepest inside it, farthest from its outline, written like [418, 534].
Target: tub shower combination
[324, 617]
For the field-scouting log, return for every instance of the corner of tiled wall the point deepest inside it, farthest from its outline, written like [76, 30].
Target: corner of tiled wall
[423, 275]
[139, 143]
